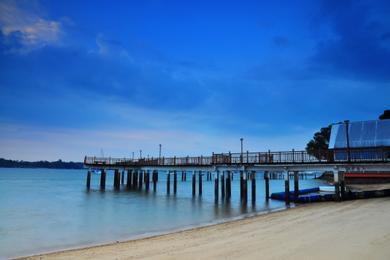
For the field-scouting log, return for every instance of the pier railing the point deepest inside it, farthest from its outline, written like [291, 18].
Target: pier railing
[251, 158]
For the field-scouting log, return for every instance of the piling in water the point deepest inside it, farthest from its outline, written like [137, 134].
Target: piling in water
[174, 182]
[89, 180]
[200, 183]
[116, 179]
[253, 179]
[140, 180]
[296, 186]
[123, 177]
[216, 182]
[223, 185]
[266, 180]
[147, 181]
[287, 187]
[154, 180]
[228, 186]
[129, 178]
[193, 183]
[169, 182]
[103, 180]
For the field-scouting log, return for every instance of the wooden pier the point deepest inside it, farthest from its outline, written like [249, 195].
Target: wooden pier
[285, 165]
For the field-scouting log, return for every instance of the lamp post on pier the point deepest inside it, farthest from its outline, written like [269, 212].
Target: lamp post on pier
[242, 149]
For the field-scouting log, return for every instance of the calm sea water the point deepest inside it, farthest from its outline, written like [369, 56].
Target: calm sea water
[44, 209]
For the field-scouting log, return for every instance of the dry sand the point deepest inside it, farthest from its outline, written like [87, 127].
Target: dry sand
[347, 230]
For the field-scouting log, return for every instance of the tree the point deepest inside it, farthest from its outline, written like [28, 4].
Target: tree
[318, 146]
[385, 115]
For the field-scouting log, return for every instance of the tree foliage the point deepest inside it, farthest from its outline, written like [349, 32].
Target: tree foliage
[385, 115]
[318, 146]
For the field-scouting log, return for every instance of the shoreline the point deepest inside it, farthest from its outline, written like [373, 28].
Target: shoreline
[150, 235]
[278, 233]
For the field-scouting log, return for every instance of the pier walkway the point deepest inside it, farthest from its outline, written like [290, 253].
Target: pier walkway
[222, 165]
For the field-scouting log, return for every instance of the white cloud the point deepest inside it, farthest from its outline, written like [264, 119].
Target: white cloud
[32, 30]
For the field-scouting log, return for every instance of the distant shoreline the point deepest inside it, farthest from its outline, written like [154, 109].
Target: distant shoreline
[59, 164]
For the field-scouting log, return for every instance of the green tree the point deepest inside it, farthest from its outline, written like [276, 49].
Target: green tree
[318, 146]
[385, 115]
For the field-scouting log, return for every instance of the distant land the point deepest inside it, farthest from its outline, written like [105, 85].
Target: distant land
[4, 163]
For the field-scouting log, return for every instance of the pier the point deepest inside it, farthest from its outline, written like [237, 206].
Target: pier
[286, 164]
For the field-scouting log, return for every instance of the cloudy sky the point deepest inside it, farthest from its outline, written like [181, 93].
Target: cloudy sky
[81, 77]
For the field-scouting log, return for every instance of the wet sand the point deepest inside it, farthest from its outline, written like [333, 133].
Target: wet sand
[348, 230]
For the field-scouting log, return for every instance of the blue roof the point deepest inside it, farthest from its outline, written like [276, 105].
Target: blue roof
[373, 133]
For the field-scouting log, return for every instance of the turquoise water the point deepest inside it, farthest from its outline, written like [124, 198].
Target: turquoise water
[45, 210]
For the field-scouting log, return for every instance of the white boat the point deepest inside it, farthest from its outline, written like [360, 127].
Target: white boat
[327, 188]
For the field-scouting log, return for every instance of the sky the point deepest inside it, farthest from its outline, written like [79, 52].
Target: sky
[112, 78]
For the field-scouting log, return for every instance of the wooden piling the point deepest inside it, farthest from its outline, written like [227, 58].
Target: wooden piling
[223, 185]
[140, 179]
[123, 177]
[266, 180]
[296, 186]
[154, 180]
[241, 185]
[174, 182]
[169, 182]
[253, 179]
[287, 188]
[228, 186]
[89, 180]
[342, 185]
[245, 187]
[200, 183]
[103, 180]
[147, 180]
[116, 179]
[216, 182]
[193, 183]
[135, 180]
[129, 178]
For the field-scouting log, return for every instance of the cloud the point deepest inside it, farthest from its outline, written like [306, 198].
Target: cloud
[23, 30]
[354, 40]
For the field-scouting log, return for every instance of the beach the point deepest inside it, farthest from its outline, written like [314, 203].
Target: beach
[357, 229]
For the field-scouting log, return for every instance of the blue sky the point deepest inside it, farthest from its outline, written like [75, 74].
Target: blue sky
[78, 77]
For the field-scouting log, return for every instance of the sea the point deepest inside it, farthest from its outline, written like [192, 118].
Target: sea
[45, 210]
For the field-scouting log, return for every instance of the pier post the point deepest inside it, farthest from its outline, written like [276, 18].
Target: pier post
[216, 182]
[241, 185]
[147, 180]
[135, 179]
[185, 175]
[123, 177]
[89, 180]
[296, 186]
[200, 183]
[336, 185]
[266, 180]
[140, 179]
[228, 186]
[174, 182]
[342, 185]
[223, 185]
[287, 187]
[103, 180]
[169, 182]
[116, 179]
[193, 183]
[154, 180]
[182, 176]
[245, 187]
[253, 179]
[129, 177]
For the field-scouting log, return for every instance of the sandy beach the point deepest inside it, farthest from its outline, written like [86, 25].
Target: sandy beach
[348, 230]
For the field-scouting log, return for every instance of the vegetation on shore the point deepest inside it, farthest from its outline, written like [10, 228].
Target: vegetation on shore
[4, 163]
